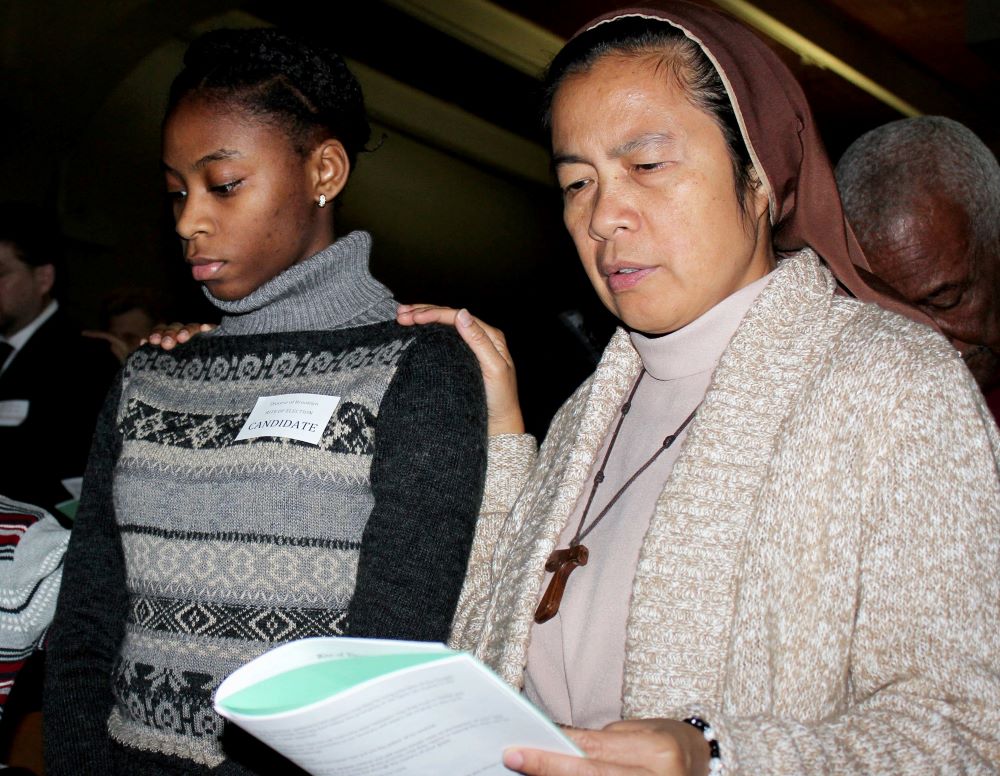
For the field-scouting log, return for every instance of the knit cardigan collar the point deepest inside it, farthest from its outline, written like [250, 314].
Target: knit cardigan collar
[702, 508]
[332, 289]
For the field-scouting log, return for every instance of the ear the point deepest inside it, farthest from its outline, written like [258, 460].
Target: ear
[45, 278]
[758, 196]
[330, 169]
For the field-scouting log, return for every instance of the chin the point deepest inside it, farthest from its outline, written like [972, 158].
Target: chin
[984, 363]
[224, 294]
[652, 325]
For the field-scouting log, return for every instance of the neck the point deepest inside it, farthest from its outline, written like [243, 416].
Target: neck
[332, 289]
[12, 327]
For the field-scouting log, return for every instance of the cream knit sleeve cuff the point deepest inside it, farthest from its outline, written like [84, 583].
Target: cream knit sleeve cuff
[509, 459]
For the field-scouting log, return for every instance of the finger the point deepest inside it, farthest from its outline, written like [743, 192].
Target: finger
[640, 743]
[605, 744]
[535, 762]
[164, 332]
[424, 314]
[483, 346]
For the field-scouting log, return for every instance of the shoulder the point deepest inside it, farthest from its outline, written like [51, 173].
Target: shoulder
[872, 336]
[435, 346]
[436, 373]
[838, 334]
[894, 375]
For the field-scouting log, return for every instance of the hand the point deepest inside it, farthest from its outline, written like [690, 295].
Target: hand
[171, 334]
[490, 348]
[119, 347]
[645, 747]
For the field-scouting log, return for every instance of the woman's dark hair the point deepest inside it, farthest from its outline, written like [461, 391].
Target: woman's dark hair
[684, 61]
[278, 77]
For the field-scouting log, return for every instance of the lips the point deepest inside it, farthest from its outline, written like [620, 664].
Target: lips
[204, 269]
[624, 277]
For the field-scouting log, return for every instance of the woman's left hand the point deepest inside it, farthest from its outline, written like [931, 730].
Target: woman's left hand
[651, 747]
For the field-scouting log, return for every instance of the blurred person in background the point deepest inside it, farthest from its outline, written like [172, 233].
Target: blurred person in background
[923, 197]
[127, 317]
[52, 379]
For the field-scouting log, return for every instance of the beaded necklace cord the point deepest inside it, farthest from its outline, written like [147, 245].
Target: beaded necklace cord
[562, 562]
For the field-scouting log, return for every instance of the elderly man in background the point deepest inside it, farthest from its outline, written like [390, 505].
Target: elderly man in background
[923, 198]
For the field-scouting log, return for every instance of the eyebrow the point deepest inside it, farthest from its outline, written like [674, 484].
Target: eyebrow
[216, 156]
[642, 142]
[639, 143]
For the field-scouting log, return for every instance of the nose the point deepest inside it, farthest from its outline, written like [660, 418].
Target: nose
[612, 213]
[191, 217]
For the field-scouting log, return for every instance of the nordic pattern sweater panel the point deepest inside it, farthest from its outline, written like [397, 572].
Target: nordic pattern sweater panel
[229, 547]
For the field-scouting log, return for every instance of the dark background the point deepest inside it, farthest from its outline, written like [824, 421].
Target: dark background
[458, 193]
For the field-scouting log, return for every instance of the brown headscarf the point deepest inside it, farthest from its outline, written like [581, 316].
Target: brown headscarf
[783, 142]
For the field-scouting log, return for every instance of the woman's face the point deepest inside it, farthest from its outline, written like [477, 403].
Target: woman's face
[649, 196]
[244, 200]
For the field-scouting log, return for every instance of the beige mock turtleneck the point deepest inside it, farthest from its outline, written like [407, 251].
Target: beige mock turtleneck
[576, 659]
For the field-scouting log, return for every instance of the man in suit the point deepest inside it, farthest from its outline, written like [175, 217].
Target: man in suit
[52, 380]
[923, 197]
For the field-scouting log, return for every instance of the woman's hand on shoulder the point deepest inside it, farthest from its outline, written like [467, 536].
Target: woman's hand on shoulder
[646, 747]
[489, 346]
[169, 335]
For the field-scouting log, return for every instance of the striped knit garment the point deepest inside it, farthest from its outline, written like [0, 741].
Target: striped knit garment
[32, 545]
[230, 547]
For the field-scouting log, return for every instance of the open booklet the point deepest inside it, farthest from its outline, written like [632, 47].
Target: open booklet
[340, 706]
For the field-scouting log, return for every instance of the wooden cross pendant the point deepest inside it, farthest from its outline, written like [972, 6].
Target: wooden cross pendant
[561, 563]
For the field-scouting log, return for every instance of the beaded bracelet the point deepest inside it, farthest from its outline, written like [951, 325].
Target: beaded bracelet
[715, 763]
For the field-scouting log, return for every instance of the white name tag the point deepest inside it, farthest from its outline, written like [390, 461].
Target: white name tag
[301, 416]
[13, 412]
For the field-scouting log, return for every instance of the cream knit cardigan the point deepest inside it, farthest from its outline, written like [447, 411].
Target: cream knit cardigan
[821, 577]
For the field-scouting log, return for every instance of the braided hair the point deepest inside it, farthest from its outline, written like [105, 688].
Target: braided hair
[277, 77]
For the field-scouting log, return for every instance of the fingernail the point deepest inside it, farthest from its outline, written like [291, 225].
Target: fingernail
[464, 318]
[513, 759]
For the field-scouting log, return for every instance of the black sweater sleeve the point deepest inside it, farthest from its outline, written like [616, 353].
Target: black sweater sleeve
[89, 622]
[427, 480]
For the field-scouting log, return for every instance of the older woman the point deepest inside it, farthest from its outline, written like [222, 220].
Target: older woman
[774, 510]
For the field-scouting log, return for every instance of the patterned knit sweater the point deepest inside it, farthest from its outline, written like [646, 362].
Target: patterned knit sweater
[194, 552]
[819, 577]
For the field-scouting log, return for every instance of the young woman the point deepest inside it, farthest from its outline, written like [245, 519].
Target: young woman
[763, 537]
[210, 530]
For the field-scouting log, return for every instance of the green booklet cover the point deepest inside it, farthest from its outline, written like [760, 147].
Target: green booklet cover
[341, 706]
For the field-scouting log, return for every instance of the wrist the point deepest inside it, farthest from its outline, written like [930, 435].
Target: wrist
[511, 423]
[709, 746]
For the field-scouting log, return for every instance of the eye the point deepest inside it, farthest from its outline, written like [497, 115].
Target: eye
[574, 186]
[225, 189]
[650, 166]
[944, 298]
[177, 195]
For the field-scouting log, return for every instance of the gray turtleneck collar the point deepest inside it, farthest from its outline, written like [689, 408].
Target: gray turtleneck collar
[331, 290]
